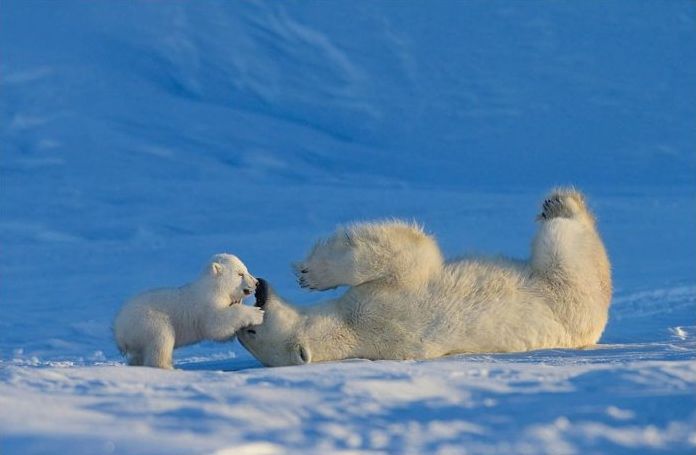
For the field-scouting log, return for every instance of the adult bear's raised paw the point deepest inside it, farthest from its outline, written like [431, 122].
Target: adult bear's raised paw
[563, 203]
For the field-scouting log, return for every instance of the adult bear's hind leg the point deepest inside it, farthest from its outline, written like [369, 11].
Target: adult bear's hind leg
[566, 203]
[567, 242]
[569, 259]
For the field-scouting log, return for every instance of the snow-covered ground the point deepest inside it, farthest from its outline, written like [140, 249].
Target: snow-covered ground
[137, 139]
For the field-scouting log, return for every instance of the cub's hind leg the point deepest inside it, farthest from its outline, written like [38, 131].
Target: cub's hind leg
[159, 352]
[135, 358]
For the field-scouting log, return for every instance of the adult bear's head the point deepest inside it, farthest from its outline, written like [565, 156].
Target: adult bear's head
[276, 342]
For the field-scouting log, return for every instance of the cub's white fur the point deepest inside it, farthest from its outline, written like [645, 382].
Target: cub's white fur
[405, 302]
[152, 324]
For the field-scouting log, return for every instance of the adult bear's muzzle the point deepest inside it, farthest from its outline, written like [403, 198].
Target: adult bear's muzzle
[262, 293]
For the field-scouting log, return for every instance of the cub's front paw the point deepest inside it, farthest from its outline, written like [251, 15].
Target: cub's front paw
[252, 316]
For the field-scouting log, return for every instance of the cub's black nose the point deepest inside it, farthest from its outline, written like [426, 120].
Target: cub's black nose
[261, 294]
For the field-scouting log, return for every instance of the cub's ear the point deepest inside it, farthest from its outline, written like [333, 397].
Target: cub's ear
[302, 355]
[215, 269]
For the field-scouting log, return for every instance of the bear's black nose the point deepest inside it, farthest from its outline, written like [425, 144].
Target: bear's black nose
[261, 294]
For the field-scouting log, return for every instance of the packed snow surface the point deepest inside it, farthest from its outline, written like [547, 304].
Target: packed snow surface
[137, 139]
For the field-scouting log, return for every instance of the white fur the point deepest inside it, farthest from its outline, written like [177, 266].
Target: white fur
[405, 302]
[152, 324]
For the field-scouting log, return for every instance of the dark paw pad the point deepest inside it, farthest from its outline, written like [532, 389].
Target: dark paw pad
[551, 208]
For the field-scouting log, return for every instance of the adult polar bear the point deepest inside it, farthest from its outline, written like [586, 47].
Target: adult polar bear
[405, 302]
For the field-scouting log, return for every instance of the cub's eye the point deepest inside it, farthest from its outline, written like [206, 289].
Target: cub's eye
[241, 274]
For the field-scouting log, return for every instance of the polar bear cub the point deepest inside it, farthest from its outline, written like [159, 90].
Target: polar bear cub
[152, 324]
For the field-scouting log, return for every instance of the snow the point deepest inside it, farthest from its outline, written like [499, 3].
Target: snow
[137, 139]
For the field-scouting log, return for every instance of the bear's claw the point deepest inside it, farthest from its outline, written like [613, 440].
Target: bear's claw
[302, 274]
[307, 279]
[303, 281]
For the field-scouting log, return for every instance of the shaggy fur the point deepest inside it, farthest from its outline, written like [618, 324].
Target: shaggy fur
[152, 324]
[405, 302]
